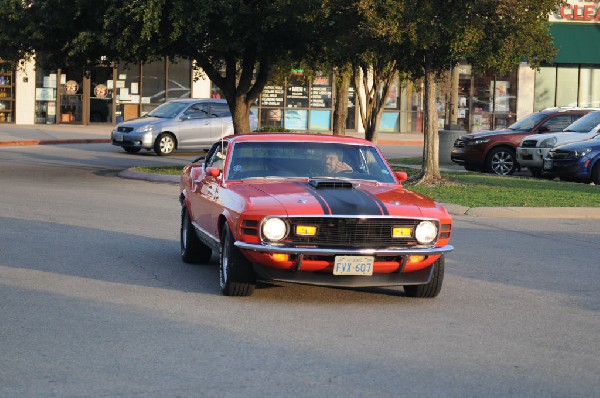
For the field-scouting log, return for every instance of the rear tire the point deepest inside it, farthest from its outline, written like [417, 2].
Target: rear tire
[431, 289]
[193, 251]
[164, 144]
[236, 276]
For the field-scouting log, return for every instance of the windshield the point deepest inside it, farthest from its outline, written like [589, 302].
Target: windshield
[168, 110]
[585, 124]
[528, 122]
[307, 160]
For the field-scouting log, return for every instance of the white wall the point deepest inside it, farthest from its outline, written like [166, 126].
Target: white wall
[25, 94]
[200, 85]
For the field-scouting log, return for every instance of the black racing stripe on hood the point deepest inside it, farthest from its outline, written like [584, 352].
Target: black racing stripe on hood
[348, 201]
[382, 205]
[319, 198]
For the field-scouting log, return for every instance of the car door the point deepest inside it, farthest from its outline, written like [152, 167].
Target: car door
[206, 191]
[195, 127]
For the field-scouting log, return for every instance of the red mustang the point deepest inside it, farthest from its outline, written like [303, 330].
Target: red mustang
[316, 209]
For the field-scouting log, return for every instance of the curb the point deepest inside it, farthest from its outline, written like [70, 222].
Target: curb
[581, 213]
[55, 142]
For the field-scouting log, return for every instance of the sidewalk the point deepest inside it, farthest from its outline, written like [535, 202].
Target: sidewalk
[45, 134]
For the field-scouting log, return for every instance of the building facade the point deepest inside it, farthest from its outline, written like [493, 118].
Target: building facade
[108, 94]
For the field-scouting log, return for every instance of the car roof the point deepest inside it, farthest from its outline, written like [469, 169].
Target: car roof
[297, 137]
[194, 100]
[567, 109]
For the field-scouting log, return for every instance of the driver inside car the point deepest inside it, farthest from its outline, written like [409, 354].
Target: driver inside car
[334, 163]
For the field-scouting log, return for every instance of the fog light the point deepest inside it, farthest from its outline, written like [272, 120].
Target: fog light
[401, 232]
[306, 230]
[416, 259]
[280, 256]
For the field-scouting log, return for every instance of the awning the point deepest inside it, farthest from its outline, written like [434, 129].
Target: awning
[577, 43]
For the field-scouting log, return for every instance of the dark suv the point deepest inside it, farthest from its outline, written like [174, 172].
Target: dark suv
[494, 151]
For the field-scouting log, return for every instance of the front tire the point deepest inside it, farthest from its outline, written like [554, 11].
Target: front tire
[237, 278]
[431, 289]
[596, 174]
[164, 144]
[193, 251]
[502, 161]
[536, 172]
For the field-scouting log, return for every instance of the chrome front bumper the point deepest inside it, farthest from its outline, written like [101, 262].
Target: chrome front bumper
[343, 251]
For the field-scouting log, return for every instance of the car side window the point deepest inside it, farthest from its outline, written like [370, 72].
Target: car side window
[197, 111]
[558, 123]
[219, 110]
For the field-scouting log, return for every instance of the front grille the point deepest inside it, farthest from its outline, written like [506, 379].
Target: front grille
[529, 143]
[122, 129]
[560, 155]
[352, 232]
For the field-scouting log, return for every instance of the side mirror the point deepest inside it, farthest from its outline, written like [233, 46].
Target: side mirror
[213, 171]
[401, 176]
[185, 117]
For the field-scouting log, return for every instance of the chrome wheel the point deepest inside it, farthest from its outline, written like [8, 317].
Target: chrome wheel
[502, 162]
[164, 145]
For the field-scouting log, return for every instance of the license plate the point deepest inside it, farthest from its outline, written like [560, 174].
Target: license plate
[547, 164]
[118, 138]
[353, 265]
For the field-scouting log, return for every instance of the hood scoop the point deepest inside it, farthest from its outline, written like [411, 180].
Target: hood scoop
[331, 184]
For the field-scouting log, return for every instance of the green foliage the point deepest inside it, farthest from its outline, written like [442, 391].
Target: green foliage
[272, 129]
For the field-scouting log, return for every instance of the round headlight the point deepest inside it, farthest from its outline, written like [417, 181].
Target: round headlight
[274, 229]
[426, 232]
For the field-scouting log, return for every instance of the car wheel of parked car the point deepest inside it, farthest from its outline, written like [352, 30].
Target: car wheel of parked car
[164, 144]
[236, 275]
[501, 161]
[131, 149]
[596, 174]
[193, 251]
[431, 289]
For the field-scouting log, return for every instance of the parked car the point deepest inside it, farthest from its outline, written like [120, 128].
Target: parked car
[575, 161]
[313, 209]
[534, 148]
[178, 124]
[494, 151]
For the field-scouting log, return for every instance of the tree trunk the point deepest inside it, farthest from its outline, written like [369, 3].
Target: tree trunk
[340, 106]
[431, 159]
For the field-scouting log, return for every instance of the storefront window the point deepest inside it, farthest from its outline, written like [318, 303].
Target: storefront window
[589, 87]
[127, 87]
[101, 96]
[545, 88]
[180, 79]
[153, 85]
[7, 94]
[566, 86]
[351, 120]
[297, 91]
[45, 96]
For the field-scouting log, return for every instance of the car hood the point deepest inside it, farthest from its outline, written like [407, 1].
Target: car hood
[593, 143]
[560, 137]
[141, 121]
[485, 134]
[304, 198]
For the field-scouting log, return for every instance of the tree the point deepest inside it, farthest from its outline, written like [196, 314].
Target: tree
[236, 43]
[489, 33]
[14, 31]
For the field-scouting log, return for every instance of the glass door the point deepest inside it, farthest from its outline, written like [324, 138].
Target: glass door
[71, 96]
[101, 95]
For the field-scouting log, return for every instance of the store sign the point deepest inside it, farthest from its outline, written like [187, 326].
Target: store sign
[71, 87]
[578, 11]
[100, 91]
